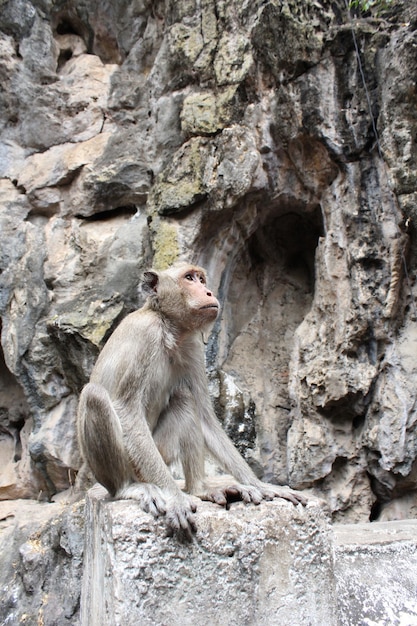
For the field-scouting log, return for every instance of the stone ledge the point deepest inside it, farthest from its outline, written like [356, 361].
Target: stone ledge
[376, 573]
[267, 564]
[375, 533]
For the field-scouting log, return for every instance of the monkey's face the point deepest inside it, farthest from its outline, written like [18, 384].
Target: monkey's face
[199, 298]
[181, 295]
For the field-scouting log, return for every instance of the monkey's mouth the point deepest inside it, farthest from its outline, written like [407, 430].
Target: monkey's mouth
[210, 306]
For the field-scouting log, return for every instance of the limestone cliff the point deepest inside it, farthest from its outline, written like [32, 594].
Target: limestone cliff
[246, 136]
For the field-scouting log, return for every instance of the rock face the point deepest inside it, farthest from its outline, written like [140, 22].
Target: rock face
[42, 548]
[240, 135]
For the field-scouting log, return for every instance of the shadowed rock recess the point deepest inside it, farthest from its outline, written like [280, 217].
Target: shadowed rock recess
[245, 136]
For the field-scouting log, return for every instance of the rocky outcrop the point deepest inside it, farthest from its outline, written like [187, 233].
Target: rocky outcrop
[270, 564]
[42, 548]
[238, 135]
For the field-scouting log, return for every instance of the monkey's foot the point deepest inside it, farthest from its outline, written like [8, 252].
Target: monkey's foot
[150, 497]
[224, 493]
[269, 492]
[233, 492]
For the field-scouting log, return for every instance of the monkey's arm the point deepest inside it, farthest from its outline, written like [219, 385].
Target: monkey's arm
[248, 488]
[150, 469]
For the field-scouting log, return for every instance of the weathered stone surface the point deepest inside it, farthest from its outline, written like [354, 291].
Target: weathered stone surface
[263, 565]
[368, 559]
[42, 549]
[286, 49]
[59, 165]
[72, 108]
[270, 564]
[206, 113]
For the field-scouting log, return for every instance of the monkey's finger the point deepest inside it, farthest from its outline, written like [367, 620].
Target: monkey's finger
[218, 497]
[157, 507]
[301, 499]
[151, 509]
[297, 498]
[184, 535]
[250, 494]
[246, 496]
[290, 498]
[293, 497]
[256, 497]
[270, 494]
[192, 525]
[185, 520]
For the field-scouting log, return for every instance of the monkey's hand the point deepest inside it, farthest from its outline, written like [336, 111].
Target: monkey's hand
[180, 518]
[269, 492]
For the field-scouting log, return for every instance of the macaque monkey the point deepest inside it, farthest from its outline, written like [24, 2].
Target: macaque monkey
[147, 405]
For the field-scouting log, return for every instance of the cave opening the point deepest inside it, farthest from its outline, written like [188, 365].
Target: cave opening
[66, 27]
[274, 270]
[270, 291]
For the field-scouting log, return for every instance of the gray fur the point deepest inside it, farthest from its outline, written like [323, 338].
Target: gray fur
[147, 405]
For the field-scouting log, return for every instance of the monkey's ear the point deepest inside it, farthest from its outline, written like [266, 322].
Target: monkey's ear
[150, 281]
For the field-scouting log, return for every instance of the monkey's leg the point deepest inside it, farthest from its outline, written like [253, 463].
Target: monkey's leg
[102, 445]
[101, 439]
[179, 435]
[247, 486]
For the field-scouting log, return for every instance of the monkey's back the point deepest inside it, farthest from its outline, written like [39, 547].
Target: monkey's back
[138, 364]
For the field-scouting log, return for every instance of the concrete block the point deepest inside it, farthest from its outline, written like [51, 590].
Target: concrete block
[376, 573]
[255, 565]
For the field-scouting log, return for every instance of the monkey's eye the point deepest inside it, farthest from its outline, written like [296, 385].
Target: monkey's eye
[189, 276]
[201, 277]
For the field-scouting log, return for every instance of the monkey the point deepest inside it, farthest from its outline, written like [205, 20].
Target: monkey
[147, 405]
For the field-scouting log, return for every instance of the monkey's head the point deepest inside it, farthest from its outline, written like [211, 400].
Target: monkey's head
[180, 294]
